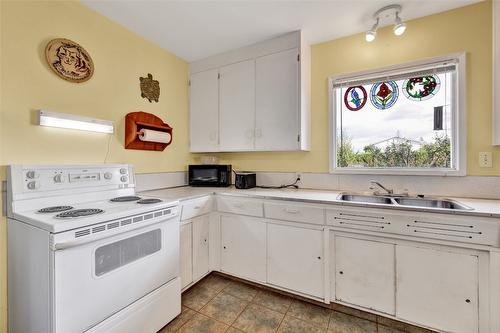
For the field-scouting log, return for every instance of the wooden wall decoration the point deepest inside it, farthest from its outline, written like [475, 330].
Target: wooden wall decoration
[150, 88]
[137, 121]
[69, 60]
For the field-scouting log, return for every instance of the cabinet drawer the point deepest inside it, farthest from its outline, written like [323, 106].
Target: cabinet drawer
[294, 212]
[196, 207]
[240, 206]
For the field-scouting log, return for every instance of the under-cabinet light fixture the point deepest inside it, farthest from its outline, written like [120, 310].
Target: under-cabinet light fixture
[383, 14]
[64, 120]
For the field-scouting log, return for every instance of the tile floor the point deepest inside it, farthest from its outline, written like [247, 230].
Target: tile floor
[218, 304]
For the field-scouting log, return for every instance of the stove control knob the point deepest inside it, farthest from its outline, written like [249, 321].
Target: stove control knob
[108, 175]
[33, 185]
[59, 178]
[123, 171]
[124, 178]
[32, 174]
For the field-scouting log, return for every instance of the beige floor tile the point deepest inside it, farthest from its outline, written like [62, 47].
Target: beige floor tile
[258, 319]
[399, 325]
[354, 312]
[294, 325]
[215, 282]
[343, 323]
[224, 307]
[273, 301]
[385, 329]
[197, 297]
[180, 320]
[241, 290]
[314, 314]
[203, 324]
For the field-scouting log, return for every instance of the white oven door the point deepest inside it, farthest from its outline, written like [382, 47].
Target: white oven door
[94, 280]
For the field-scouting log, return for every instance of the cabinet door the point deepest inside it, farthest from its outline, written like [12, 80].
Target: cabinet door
[295, 259]
[201, 229]
[243, 247]
[277, 101]
[437, 288]
[204, 111]
[186, 255]
[365, 273]
[237, 106]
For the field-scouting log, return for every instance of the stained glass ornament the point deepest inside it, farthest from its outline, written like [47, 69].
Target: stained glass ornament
[421, 88]
[383, 95]
[355, 98]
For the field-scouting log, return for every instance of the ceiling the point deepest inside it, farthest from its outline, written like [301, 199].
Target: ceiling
[196, 29]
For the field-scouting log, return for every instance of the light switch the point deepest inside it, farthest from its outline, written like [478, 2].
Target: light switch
[485, 159]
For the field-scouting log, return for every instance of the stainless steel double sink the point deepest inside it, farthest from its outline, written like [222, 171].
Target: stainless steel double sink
[417, 202]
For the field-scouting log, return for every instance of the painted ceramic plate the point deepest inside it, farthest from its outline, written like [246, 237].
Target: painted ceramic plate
[355, 98]
[69, 60]
[383, 95]
[421, 88]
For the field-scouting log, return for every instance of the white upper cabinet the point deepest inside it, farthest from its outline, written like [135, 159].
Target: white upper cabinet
[204, 111]
[277, 101]
[237, 106]
[255, 98]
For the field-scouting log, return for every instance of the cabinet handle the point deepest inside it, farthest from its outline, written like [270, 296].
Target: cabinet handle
[205, 240]
[319, 258]
[224, 247]
[341, 272]
[196, 207]
[467, 300]
[238, 205]
[291, 211]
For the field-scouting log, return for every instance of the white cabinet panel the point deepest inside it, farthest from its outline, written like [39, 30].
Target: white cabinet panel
[204, 111]
[295, 259]
[197, 207]
[237, 106]
[437, 288]
[365, 273]
[201, 230]
[277, 101]
[243, 241]
[242, 206]
[186, 254]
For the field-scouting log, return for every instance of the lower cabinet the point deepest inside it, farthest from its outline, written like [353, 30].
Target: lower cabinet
[201, 237]
[295, 259]
[243, 252]
[437, 288]
[186, 254]
[365, 273]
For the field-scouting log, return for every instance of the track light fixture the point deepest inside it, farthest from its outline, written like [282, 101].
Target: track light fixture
[383, 14]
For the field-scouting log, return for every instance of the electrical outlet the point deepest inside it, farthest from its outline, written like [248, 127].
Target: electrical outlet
[485, 159]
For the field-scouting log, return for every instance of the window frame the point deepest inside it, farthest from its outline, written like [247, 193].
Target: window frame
[459, 121]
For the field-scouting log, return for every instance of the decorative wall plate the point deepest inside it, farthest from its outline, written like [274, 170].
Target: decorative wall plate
[150, 88]
[355, 98]
[69, 60]
[421, 88]
[383, 95]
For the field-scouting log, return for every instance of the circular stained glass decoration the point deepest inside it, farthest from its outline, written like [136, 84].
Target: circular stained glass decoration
[355, 98]
[421, 88]
[383, 95]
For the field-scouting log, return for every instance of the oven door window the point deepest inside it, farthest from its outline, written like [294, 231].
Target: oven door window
[112, 256]
[205, 175]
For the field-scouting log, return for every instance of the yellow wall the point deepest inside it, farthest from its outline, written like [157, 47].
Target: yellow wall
[120, 58]
[464, 29]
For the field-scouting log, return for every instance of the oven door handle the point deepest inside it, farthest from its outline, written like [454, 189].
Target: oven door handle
[62, 245]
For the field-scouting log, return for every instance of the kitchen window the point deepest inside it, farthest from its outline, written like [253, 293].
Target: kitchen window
[407, 119]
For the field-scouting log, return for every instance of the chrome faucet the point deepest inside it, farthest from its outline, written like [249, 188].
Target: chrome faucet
[388, 191]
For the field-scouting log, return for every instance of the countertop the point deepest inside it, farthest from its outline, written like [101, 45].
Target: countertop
[480, 207]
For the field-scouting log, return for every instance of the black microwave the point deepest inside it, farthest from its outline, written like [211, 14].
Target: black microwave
[210, 175]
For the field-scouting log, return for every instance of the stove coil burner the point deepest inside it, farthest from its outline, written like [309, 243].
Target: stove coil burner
[79, 213]
[148, 201]
[54, 209]
[126, 198]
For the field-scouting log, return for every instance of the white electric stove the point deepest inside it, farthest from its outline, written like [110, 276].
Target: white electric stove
[86, 254]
